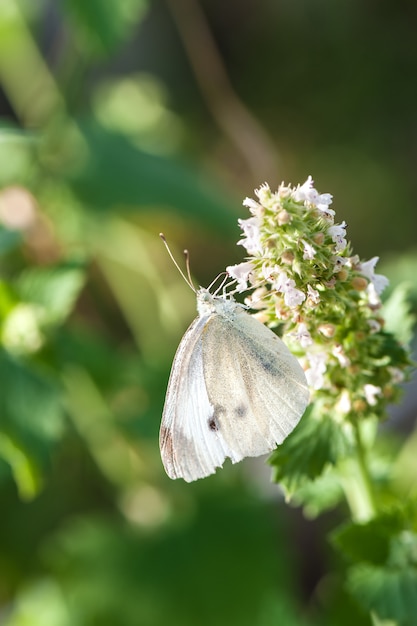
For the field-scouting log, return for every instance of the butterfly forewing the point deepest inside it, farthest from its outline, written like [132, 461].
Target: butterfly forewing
[190, 449]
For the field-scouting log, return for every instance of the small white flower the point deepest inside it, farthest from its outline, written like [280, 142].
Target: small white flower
[374, 326]
[253, 206]
[344, 404]
[281, 311]
[324, 200]
[338, 352]
[371, 392]
[256, 299]
[292, 296]
[353, 261]
[283, 191]
[307, 194]
[315, 373]
[252, 239]
[282, 281]
[380, 282]
[367, 268]
[373, 297]
[338, 233]
[397, 376]
[270, 273]
[302, 335]
[263, 193]
[313, 294]
[339, 262]
[309, 251]
[241, 273]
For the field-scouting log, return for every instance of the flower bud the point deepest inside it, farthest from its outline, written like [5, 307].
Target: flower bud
[283, 217]
[359, 406]
[330, 283]
[343, 274]
[318, 238]
[359, 283]
[328, 330]
[287, 257]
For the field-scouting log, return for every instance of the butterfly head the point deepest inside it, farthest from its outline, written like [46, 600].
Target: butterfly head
[211, 303]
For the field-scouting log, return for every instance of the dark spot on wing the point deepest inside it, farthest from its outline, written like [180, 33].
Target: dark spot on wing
[214, 420]
[268, 364]
[241, 410]
[267, 359]
[212, 424]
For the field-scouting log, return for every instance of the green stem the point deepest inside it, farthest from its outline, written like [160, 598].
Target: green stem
[357, 482]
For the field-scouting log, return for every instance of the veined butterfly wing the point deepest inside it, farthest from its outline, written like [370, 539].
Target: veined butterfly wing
[235, 390]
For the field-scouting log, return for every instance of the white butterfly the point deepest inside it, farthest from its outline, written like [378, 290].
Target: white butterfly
[235, 390]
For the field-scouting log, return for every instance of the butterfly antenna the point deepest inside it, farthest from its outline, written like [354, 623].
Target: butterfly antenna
[186, 278]
[187, 266]
[221, 284]
[227, 285]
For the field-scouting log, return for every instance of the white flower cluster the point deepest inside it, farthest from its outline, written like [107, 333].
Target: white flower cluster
[252, 241]
[304, 276]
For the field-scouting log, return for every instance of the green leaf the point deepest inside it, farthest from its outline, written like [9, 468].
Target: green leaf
[54, 288]
[103, 25]
[390, 593]
[384, 580]
[384, 349]
[319, 495]
[316, 443]
[397, 314]
[118, 174]
[401, 269]
[31, 418]
[30, 404]
[370, 541]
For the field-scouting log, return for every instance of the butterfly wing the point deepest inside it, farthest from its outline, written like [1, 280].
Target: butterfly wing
[256, 386]
[190, 445]
[235, 390]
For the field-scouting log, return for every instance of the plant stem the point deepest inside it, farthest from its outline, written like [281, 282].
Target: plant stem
[357, 482]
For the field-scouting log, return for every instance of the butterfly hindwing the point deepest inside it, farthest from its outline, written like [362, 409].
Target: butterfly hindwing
[255, 384]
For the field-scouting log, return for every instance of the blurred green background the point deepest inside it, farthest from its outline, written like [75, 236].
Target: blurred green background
[121, 119]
